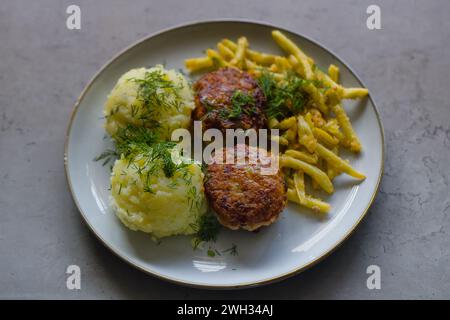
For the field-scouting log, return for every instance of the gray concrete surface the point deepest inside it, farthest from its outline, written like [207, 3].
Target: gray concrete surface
[44, 66]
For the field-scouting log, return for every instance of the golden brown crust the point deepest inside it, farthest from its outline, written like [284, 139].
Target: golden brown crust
[213, 94]
[241, 196]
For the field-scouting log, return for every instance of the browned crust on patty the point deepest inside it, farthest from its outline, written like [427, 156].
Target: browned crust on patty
[241, 196]
[213, 94]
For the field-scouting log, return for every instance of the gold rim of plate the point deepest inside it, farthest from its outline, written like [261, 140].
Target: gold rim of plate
[243, 284]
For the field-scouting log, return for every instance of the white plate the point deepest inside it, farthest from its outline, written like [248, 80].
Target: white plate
[297, 241]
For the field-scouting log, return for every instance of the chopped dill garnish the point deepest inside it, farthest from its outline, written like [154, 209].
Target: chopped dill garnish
[240, 103]
[212, 252]
[133, 142]
[107, 156]
[134, 110]
[157, 93]
[232, 250]
[192, 198]
[155, 157]
[208, 105]
[128, 138]
[162, 152]
[206, 229]
[113, 111]
[286, 98]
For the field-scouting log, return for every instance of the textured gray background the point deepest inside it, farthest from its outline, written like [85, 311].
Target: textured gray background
[44, 67]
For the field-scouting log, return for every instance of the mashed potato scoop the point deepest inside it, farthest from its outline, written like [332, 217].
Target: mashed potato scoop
[155, 98]
[154, 194]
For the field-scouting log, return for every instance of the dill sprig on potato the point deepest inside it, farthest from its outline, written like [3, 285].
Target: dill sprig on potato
[157, 93]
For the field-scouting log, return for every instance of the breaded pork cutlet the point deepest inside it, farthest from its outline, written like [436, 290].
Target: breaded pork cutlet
[240, 194]
[229, 99]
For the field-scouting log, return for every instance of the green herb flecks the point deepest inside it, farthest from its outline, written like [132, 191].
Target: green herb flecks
[212, 252]
[129, 138]
[240, 103]
[153, 154]
[194, 199]
[232, 250]
[206, 229]
[113, 111]
[159, 157]
[284, 99]
[107, 156]
[162, 151]
[157, 93]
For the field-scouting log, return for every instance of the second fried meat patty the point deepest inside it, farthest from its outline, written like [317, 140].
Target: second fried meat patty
[241, 195]
[214, 96]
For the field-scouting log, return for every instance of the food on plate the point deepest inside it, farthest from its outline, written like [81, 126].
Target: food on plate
[304, 103]
[155, 98]
[156, 190]
[240, 194]
[229, 99]
[152, 193]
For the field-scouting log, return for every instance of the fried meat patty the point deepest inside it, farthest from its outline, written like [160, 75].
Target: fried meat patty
[214, 94]
[240, 194]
